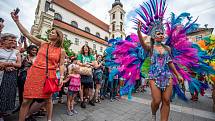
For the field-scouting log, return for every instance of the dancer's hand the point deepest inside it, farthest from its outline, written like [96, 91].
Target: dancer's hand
[180, 79]
[139, 26]
[14, 17]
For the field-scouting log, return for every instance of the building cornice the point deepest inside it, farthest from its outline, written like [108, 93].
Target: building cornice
[70, 28]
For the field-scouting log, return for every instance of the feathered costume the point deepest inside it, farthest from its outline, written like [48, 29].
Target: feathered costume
[128, 55]
[207, 47]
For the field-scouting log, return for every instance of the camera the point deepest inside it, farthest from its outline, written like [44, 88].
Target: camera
[22, 39]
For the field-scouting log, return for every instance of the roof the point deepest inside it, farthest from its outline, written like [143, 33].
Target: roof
[117, 2]
[70, 6]
[200, 30]
[70, 28]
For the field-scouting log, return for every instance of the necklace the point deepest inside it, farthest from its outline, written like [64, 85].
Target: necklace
[157, 43]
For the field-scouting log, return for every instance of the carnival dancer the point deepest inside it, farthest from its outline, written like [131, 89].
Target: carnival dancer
[174, 51]
[159, 73]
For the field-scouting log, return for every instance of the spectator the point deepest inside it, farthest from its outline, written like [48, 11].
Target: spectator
[26, 64]
[10, 60]
[98, 77]
[73, 88]
[37, 73]
[85, 59]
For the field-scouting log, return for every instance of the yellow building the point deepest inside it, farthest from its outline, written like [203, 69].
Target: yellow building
[200, 33]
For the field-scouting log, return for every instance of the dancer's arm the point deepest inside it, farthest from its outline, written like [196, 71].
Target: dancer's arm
[141, 38]
[24, 31]
[172, 67]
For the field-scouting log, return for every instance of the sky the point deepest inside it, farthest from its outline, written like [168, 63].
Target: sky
[203, 9]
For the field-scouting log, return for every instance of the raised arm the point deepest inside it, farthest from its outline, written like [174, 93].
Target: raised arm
[24, 31]
[141, 38]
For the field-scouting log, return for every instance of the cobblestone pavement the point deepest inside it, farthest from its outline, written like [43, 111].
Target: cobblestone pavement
[137, 109]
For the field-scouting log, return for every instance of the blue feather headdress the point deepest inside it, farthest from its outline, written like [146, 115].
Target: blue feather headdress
[152, 17]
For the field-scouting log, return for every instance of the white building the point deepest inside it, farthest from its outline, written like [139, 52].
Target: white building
[78, 25]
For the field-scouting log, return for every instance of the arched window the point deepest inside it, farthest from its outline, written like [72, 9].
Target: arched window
[106, 38]
[87, 29]
[121, 36]
[97, 34]
[74, 23]
[94, 46]
[113, 36]
[113, 16]
[58, 16]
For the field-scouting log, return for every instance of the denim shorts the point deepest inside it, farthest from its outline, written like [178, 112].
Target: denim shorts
[71, 93]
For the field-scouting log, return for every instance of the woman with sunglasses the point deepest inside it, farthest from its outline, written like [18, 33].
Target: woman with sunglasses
[36, 75]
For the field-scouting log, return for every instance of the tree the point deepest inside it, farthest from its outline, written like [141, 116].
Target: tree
[67, 43]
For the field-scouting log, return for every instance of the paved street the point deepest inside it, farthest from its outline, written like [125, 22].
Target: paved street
[138, 109]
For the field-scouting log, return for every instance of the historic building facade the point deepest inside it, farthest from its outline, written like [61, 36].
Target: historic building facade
[199, 34]
[78, 25]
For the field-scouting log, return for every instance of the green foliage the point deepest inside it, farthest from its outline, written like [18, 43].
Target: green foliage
[145, 67]
[67, 43]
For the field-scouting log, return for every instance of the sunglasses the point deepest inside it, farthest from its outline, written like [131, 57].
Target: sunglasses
[160, 33]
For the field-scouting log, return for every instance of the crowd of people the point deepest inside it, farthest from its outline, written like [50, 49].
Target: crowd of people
[83, 78]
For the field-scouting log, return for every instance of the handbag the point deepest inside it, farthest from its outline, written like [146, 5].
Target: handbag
[87, 71]
[51, 84]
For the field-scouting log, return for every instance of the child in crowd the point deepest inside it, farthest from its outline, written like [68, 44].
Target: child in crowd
[73, 88]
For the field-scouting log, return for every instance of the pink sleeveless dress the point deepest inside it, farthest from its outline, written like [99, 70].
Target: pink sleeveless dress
[75, 82]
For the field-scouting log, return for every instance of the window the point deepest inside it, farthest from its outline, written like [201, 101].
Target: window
[87, 29]
[106, 38]
[101, 49]
[94, 46]
[113, 15]
[198, 37]
[121, 25]
[58, 16]
[47, 6]
[64, 36]
[97, 34]
[76, 41]
[74, 23]
[121, 15]
[113, 36]
[86, 43]
[113, 26]
[121, 36]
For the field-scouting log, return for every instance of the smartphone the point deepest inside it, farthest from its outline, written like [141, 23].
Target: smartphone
[22, 38]
[16, 11]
